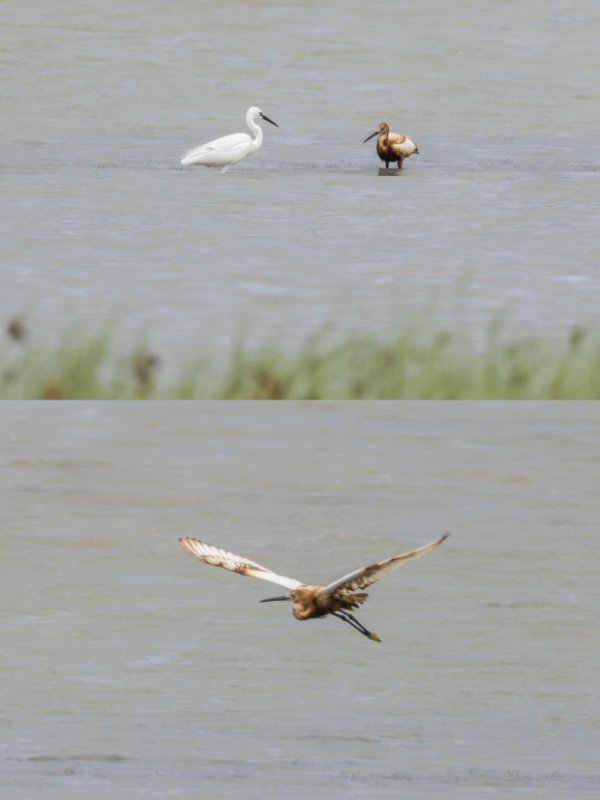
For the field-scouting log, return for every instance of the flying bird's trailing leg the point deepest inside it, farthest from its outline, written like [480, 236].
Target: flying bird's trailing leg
[347, 617]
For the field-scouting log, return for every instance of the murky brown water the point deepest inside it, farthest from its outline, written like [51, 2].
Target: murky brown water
[497, 216]
[129, 670]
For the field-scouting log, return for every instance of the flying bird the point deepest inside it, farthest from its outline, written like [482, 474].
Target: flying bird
[392, 146]
[230, 149]
[339, 598]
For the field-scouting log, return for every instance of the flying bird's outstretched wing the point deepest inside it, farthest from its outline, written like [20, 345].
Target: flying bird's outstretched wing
[222, 558]
[365, 576]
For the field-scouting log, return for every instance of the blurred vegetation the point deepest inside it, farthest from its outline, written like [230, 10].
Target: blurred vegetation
[411, 365]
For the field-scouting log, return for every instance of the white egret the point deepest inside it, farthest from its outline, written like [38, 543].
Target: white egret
[230, 149]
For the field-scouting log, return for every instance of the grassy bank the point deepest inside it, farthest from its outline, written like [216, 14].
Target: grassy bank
[410, 365]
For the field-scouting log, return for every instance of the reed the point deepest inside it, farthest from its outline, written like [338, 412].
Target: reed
[412, 364]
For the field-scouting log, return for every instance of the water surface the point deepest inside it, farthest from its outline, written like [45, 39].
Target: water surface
[129, 670]
[496, 218]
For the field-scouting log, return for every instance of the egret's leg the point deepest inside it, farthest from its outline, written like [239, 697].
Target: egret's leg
[225, 168]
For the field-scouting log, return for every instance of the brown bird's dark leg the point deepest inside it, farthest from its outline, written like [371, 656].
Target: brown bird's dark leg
[368, 633]
[351, 620]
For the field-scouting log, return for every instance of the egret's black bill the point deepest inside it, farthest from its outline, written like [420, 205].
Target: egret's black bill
[371, 135]
[269, 120]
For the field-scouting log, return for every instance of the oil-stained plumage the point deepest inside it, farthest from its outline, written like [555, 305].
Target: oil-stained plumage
[230, 149]
[338, 598]
[392, 146]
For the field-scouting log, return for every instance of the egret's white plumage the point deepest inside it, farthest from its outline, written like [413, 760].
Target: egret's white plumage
[230, 149]
[337, 598]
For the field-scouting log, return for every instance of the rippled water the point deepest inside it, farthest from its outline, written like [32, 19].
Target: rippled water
[129, 670]
[497, 216]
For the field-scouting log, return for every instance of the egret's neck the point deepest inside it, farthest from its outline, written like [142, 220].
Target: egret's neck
[257, 131]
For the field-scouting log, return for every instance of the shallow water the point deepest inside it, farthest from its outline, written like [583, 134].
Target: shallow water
[496, 218]
[130, 670]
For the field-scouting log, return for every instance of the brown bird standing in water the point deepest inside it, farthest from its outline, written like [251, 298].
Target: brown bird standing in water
[392, 146]
[338, 598]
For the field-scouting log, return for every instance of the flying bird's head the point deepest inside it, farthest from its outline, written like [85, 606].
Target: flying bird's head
[305, 600]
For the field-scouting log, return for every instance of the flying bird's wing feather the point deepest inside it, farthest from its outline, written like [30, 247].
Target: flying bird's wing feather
[365, 576]
[222, 558]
